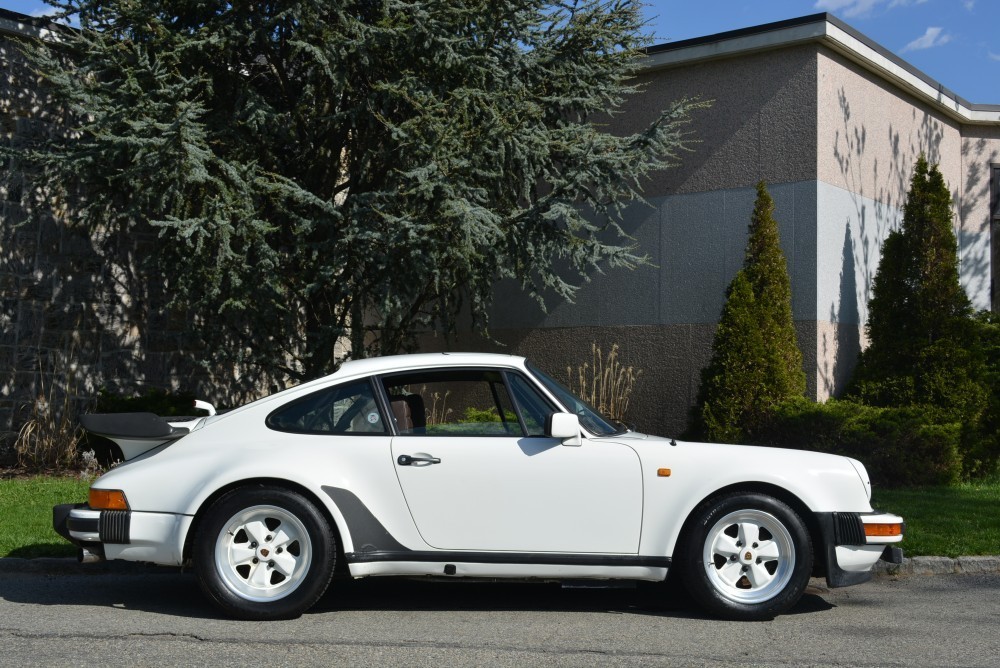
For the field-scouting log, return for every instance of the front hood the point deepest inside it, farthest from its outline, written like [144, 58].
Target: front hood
[823, 480]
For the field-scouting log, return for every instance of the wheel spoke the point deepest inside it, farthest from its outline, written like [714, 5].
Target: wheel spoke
[725, 545]
[285, 563]
[257, 531]
[769, 551]
[758, 576]
[281, 539]
[749, 533]
[731, 573]
[260, 576]
[241, 554]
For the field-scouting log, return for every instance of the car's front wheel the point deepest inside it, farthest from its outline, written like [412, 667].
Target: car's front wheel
[747, 556]
[264, 553]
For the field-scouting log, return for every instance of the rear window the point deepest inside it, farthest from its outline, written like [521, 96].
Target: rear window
[341, 409]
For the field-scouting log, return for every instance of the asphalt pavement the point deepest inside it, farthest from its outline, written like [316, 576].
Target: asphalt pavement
[62, 614]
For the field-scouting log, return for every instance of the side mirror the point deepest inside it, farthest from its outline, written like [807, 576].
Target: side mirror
[564, 426]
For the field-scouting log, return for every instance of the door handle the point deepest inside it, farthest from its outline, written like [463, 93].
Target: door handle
[410, 460]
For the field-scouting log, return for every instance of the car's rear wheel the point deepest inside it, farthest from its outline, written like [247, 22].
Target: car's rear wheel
[747, 556]
[264, 553]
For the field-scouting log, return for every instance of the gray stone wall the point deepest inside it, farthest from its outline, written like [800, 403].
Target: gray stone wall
[761, 125]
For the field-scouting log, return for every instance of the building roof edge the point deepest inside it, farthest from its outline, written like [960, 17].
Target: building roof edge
[826, 29]
[22, 25]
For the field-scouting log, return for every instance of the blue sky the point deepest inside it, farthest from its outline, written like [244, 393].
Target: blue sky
[956, 42]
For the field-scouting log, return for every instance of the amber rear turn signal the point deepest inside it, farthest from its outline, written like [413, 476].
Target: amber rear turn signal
[883, 529]
[107, 499]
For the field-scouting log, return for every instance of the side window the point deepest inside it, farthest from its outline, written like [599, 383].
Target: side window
[534, 408]
[341, 409]
[457, 402]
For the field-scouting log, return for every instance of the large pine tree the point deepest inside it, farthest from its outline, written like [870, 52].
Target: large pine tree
[756, 362]
[363, 167]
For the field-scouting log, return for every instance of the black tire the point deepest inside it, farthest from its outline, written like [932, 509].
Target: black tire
[746, 557]
[264, 553]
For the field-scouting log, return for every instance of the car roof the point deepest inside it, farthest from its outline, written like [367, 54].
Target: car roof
[388, 364]
[372, 365]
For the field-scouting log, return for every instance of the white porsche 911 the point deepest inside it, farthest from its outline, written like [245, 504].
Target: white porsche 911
[467, 465]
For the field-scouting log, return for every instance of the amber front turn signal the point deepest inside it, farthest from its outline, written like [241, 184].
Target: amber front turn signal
[883, 530]
[107, 499]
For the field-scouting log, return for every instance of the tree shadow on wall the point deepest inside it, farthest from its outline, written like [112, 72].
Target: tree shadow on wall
[875, 164]
[845, 341]
[978, 247]
[80, 310]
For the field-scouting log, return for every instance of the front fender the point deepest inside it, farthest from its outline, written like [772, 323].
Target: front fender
[698, 471]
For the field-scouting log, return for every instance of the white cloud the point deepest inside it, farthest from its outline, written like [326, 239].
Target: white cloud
[933, 37]
[852, 8]
[848, 7]
[42, 11]
[993, 56]
[969, 4]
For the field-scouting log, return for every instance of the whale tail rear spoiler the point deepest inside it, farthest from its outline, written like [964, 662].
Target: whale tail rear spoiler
[136, 433]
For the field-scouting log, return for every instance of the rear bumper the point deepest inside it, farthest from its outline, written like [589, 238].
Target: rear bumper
[123, 534]
[849, 553]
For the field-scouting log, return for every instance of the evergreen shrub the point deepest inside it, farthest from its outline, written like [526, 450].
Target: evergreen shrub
[756, 362]
[927, 351]
[900, 447]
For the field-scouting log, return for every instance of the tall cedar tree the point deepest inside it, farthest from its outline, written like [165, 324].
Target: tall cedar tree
[919, 315]
[364, 168]
[756, 362]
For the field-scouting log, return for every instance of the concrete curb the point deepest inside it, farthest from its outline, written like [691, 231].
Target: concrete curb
[938, 566]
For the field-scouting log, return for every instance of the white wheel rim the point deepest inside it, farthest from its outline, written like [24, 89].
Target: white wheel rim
[263, 553]
[749, 556]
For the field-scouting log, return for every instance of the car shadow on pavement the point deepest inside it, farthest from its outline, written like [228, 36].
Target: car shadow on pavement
[148, 589]
[172, 592]
[421, 595]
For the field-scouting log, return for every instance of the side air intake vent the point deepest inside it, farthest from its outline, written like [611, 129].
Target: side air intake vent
[849, 528]
[114, 526]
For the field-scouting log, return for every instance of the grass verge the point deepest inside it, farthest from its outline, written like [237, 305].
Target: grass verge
[26, 514]
[947, 521]
[942, 521]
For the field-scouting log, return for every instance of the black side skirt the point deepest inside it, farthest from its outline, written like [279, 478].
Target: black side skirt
[531, 558]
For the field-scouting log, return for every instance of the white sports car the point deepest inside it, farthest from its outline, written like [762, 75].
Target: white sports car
[467, 465]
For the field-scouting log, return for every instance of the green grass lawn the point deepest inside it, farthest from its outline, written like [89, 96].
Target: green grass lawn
[947, 521]
[944, 521]
[26, 514]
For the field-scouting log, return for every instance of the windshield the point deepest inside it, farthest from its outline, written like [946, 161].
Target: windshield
[590, 419]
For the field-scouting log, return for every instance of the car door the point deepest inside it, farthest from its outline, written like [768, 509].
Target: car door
[478, 473]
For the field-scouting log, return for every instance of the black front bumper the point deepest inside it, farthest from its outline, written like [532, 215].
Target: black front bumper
[847, 529]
